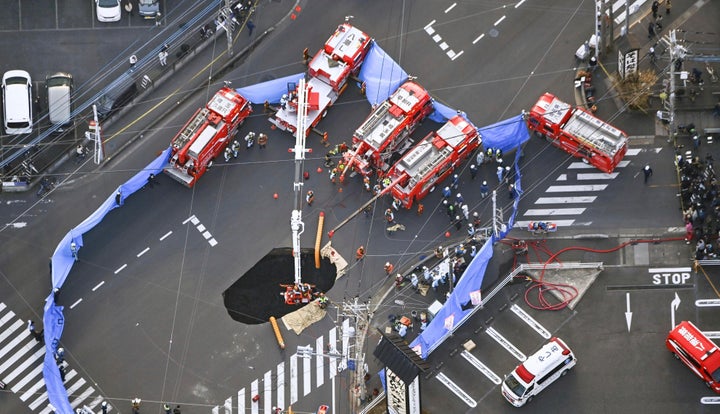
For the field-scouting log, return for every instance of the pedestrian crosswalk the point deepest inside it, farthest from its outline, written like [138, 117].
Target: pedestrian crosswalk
[496, 336]
[293, 378]
[571, 195]
[21, 358]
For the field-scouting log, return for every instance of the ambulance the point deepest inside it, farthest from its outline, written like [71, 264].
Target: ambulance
[695, 350]
[539, 370]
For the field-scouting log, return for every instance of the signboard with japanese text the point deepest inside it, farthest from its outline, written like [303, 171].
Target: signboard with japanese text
[401, 398]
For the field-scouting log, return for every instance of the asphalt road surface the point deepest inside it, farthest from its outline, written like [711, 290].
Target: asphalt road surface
[144, 309]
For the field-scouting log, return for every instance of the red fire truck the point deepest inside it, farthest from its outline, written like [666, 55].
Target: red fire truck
[206, 135]
[578, 132]
[328, 73]
[431, 160]
[386, 129]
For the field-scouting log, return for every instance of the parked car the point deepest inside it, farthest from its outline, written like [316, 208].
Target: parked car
[59, 88]
[17, 102]
[108, 10]
[149, 8]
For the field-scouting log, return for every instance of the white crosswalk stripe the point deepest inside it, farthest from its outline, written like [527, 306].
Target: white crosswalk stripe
[21, 369]
[289, 376]
[563, 193]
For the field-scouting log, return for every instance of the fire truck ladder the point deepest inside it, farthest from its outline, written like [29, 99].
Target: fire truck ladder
[191, 128]
[296, 224]
[374, 120]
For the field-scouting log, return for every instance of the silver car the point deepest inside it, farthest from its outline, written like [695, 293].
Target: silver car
[149, 8]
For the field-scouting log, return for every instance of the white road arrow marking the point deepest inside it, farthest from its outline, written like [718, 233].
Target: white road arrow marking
[628, 314]
[673, 307]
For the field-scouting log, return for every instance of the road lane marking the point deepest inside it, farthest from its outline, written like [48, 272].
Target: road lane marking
[506, 344]
[584, 166]
[457, 55]
[519, 3]
[166, 235]
[554, 211]
[120, 269]
[17, 371]
[307, 376]
[456, 390]
[143, 252]
[267, 392]
[241, 401]
[429, 25]
[254, 389]
[481, 367]
[559, 223]
[293, 379]
[191, 218]
[537, 327]
[201, 227]
[452, 6]
[575, 188]
[98, 286]
[565, 200]
[499, 21]
[597, 176]
[332, 342]
[77, 302]
[632, 151]
[319, 361]
[669, 270]
[281, 384]
[477, 39]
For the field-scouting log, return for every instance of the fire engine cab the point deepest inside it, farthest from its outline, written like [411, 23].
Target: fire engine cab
[206, 135]
[431, 160]
[697, 351]
[578, 132]
[386, 129]
[328, 73]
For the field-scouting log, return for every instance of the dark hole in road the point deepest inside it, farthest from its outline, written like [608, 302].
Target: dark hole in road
[256, 295]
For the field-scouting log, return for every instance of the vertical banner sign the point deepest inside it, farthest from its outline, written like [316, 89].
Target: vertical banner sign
[401, 398]
[396, 393]
[621, 64]
[631, 62]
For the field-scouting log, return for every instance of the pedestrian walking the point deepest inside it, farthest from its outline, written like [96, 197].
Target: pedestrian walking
[696, 142]
[396, 204]
[310, 197]
[427, 275]
[61, 368]
[716, 110]
[59, 356]
[466, 211]
[688, 231]
[133, 60]
[262, 140]
[162, 57]
[158, 19]
[251, 27]
[459, 200]
[658, 24]
[118, 198]
[668, 6]
[166, 408]
[500, 173]
[360, 253]
[74, 250]
[512, 192]
[484, 189]
[458, 222]
[651, 30]
[473, 171]
[37, 335]
[648, 173]
[333, 175]
[455, 182]
[480, 158]
[471, 230]
[104, 407]
[498, 156]
[655, 6]
[135, 405]
[450, 211]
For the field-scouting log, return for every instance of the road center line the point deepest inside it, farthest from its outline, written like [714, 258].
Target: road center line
[166, 235]
[77, 302]
[519, 3]
[452, 6]
[188, 219]
[499, 20]
[477, 39]
[143, 252]
[98, 286]
[119, 269]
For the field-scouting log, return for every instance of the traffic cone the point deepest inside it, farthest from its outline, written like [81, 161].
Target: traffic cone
[339, 189]
[275, 196]
[319, 170]
[447, 234]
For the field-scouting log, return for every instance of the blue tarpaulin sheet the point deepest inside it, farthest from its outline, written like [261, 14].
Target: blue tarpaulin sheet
[62, 261]
[381, 74]
[458, 305]
[505, 135]
[270, 91]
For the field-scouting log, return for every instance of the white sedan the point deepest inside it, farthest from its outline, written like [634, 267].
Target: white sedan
[108, 10]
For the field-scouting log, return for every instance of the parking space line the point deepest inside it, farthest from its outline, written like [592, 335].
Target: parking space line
[517, 310]
[456, 390]
[57, 17]
[481, 367]
[506, 344]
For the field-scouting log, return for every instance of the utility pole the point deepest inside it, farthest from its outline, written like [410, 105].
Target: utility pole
[677, 54]
[360, 314]
[227, 14]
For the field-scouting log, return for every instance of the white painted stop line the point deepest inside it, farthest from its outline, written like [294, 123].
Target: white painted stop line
[554, 211]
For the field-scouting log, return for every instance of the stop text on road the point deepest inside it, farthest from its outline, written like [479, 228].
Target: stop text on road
[670, 275]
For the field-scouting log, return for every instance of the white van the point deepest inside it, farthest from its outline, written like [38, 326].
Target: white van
[17, 102]
[541, 369]
[59, 88]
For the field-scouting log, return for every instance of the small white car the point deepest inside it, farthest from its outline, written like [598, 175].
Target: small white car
[17, 102]
[108, 10]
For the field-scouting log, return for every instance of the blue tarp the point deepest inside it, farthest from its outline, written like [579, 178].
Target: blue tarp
[270, 91]
[458, 304]
[505, 135]
[382, 76]
[62, 261]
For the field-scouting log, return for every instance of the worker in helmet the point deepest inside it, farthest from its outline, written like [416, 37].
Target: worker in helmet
[250, 139]
[283, 101]
[455, 182]
[227, 154]
[484, 189]
[310, 197]
[323, 301]
[446, 193]
[235, 147]
[498, 156]
[366, 183]
[360, 253]
[389, 268]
